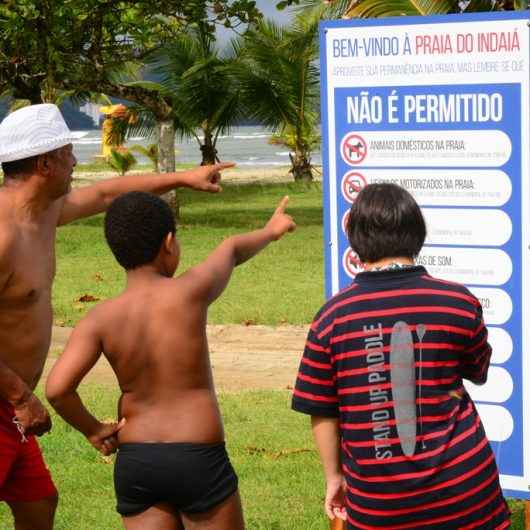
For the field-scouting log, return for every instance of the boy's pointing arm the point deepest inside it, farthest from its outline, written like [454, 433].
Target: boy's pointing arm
[210, 278]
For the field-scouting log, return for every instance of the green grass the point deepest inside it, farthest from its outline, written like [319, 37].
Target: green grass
[270, 446]
[283, 284]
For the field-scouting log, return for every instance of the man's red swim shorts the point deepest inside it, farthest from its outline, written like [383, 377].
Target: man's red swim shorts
[24, 476]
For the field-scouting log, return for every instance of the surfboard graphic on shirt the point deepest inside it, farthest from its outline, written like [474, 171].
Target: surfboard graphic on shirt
[403, 379]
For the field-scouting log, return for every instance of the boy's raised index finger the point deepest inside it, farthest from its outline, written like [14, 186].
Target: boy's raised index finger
[283, 204]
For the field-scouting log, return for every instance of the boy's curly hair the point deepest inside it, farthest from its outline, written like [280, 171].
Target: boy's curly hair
[136, 225]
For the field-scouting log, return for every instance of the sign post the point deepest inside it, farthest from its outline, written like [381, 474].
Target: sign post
[440, 106]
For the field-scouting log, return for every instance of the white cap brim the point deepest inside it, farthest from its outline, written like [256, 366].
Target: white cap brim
[40, 149]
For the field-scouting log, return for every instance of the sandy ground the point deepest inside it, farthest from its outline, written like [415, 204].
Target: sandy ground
[242, 357]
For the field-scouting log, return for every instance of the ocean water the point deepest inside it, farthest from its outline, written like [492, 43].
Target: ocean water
[248, 146]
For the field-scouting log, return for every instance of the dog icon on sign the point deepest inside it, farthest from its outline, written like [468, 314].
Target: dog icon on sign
[353, 149]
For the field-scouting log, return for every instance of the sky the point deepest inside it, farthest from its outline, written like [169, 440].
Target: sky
[268, 8]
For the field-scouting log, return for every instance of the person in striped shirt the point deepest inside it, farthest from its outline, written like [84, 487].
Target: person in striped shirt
[400, 440]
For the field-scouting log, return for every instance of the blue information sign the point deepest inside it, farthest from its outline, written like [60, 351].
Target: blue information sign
[440, 106]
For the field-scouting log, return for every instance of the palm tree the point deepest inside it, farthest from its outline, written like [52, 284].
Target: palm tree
[198, 82]
[279, 78]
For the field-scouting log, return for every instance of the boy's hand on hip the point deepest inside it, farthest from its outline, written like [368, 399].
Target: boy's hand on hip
[280, 223]
[105, 439]
[32, 417]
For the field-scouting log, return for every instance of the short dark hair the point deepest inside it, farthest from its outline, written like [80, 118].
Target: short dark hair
[385, 221]
[136, 225]
[20, 167]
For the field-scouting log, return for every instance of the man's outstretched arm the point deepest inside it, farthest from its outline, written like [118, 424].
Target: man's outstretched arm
[94, 199]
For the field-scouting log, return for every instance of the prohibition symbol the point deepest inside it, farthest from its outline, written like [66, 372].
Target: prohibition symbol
[353, 149]
[352, 264]
[345, 218]
[352, 183]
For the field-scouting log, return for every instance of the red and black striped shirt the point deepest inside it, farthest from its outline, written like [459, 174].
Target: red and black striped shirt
[387, 356]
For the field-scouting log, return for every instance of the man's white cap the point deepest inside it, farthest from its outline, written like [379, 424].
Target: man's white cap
[31, 131]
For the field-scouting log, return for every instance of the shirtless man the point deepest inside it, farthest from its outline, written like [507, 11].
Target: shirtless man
[172, 471]
[36, 197]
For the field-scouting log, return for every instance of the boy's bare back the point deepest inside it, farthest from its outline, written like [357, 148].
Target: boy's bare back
[154, 336]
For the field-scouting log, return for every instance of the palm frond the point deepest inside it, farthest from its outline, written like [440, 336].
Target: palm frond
[475, 6]
[100, 99]
[121, 160]
[329, 10]
[384, 8]
[280, 76]
[151, 152]
[148, 85]
[144, 125]
[124, 72]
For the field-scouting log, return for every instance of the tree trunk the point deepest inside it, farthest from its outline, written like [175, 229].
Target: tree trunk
[208, 150]
[301, 166]
[166, 160]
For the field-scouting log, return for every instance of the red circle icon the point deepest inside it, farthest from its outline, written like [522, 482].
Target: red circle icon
[345, 218]
[352, 264]
[353, 149]
[352, 183]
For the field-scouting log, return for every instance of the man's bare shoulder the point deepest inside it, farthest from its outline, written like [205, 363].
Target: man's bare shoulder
[8, 238]
[8, 225]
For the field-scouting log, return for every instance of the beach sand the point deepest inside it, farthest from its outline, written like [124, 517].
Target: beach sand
[242, 357]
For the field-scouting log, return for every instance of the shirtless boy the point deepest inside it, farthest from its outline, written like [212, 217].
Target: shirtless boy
[35, 198]
[172, 470]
